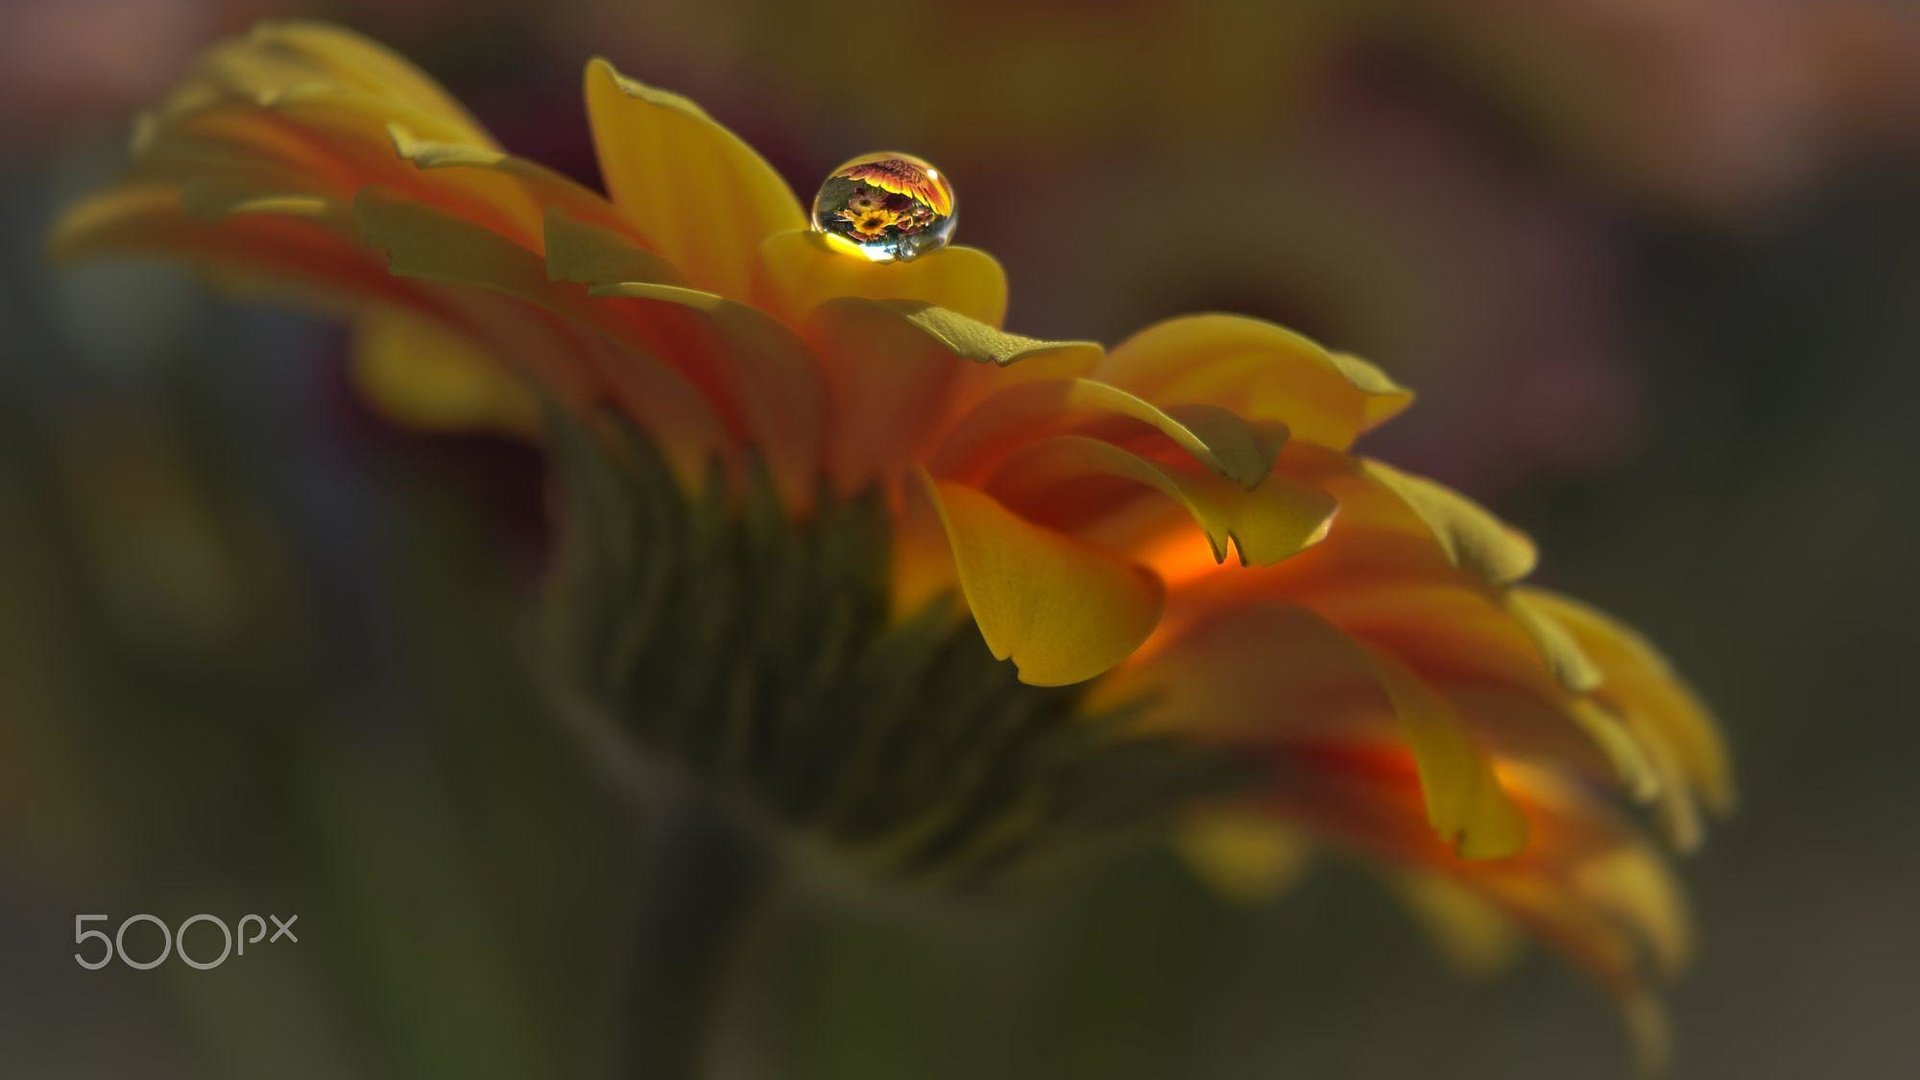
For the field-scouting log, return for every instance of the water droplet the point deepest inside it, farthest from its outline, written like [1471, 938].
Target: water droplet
[890, 206]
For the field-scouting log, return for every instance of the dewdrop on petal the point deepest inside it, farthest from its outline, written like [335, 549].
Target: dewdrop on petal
[888, 205]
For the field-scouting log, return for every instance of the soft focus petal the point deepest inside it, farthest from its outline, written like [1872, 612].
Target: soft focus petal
[427, 243]
[1243, 855]
[285, 55]
[1637, 681]
[425, 375]
[1475, 936]
[1587, 884]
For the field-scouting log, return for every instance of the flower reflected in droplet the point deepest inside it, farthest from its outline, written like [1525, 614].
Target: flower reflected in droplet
[892, 206]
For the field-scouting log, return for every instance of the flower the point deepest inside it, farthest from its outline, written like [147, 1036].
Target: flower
[869, 224]
[804, 487]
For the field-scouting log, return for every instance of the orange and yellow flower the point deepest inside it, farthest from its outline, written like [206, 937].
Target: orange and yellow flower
[869, 224]
[1180, 523]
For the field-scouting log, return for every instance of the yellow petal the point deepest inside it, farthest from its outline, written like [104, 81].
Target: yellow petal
[703, 197]
[1259, 370]
[1630, 757]
[1637, 680]
[804, 271]
[1562, 651]
[1062, 610]
[1638, 888]
[1472, 538]
[426, 375]
[1383, 399]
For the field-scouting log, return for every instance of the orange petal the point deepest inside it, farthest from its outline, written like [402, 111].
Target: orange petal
[898, 371]
[760, 372]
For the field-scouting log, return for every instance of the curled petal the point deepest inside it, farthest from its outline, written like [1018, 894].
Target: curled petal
[1465, 801]
[1241, 452]
[1472, 538]
[1274, 520]
[1259, 370]
[1061, 609]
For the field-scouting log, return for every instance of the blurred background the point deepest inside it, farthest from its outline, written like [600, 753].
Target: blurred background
[1653, 267]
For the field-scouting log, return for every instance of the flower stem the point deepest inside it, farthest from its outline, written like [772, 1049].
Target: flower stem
[703, 877]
